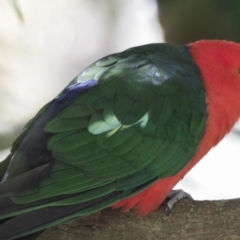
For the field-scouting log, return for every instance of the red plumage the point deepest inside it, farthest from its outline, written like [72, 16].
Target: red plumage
[218, 62]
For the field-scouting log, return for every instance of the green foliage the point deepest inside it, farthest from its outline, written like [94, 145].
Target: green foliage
[17, 9]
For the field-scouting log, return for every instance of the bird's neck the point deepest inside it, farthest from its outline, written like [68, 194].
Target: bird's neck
[218, 62]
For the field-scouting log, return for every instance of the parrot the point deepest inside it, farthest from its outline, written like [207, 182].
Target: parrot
[121, 134]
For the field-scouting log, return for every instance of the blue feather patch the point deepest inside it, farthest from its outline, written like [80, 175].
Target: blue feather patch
[35, 141]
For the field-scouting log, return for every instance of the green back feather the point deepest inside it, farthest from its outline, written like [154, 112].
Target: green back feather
[143, 121]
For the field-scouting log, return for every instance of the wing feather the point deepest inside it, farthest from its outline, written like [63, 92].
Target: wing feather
[117, 128]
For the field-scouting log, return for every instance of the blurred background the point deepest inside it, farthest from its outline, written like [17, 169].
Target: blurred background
[44, 44]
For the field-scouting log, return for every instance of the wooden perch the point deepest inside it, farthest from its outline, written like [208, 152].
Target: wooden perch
[189, 220]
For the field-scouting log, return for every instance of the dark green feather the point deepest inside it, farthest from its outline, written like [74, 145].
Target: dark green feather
[126, 121]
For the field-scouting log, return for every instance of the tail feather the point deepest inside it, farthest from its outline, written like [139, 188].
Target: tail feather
[26, 180]
[22, 220]
[9, 209]
[31, 236]
[35, 221]
[4, 165]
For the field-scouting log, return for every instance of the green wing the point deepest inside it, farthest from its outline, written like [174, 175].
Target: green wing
[142, 120]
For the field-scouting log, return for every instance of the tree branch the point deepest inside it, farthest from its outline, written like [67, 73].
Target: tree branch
[190, 220]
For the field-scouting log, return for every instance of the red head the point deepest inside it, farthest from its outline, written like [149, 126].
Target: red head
[219, 63]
